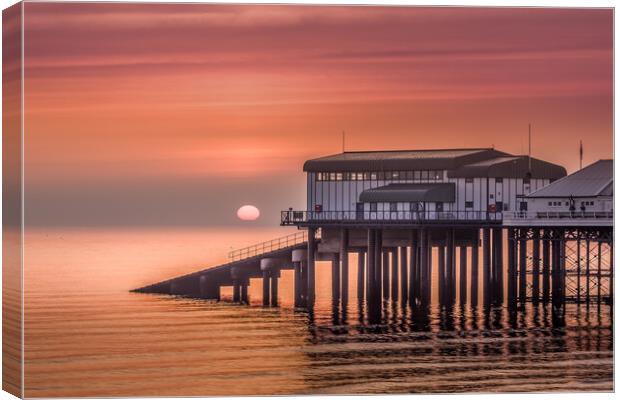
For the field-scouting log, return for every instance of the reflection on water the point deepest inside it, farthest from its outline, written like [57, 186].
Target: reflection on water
[86, 335]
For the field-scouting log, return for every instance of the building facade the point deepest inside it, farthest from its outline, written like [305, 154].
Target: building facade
[420, 185]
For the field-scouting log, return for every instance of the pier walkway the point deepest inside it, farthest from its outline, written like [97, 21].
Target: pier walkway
[254, 261]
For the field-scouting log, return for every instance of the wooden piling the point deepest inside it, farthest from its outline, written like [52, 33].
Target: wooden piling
[512, 266]
[336, 278]
[344, 261]
[546, 266]
[441, 273]
[236, 291]
[522, 266]
[274, 288]
[370, 274]
[413, 260]
[385, 274]
[486, 263]
[266, 288]
[297, 283]
[394, 273]
[474, 271]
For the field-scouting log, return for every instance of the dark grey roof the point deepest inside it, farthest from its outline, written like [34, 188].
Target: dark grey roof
[407, 192]
[398, 160]
[594, 180]
[475, 162]
[509, 167]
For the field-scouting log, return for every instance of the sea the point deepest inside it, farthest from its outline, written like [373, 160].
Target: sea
[86, 334]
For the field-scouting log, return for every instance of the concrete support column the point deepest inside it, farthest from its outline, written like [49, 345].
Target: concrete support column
[512, 266]
[394, 273]
[404, 279]
[429, 263]
[441, 273]
[361, 266]
[311, 266]
[463, 275]
[378, 264]
[236, 291]
[498, 259]
[266, 289]
[244, 293]
[274, 288]
[336, 278]
[535, 265]
[474, 271]
[298, 258]
[546, 266]
[522, 266]
[423, 265]
[370, 274]
[344, 260]
[450, 265]
[486, 263]
[385, 274]
[413, 261]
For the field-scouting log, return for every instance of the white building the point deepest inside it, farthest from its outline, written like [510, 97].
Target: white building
[582, 198]
[409, 186]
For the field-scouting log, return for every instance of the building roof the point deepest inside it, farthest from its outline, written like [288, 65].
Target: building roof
[594, 180]
[475, 162]
[409, 192]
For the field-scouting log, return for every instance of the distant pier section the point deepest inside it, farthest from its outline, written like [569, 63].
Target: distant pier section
[398, 209]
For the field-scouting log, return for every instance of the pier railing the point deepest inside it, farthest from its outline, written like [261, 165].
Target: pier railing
[560, 215]
[291, 217]
[268, 246]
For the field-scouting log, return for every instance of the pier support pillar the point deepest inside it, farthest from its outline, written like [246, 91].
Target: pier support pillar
[404, 279]
[424, 289]
[298, 258]
[535, 265]
[274, 288]
[236, 291]
[413, 261]
[474, 270]
[336, 278]
[361, 266]
[450, 267]
[441, 273]
[522, 266]
[512, 266]
[370, 274]
[486, 263]
[463, 275]
[498, 263]
[394, 273]
[378, 265]
[546, 266]
[266, 289]
[344, 259]
[385, 274]
[311, 266]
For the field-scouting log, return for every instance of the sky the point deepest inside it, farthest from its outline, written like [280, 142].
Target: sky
[176, 115]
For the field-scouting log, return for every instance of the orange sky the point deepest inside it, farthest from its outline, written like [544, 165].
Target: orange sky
[131, 108]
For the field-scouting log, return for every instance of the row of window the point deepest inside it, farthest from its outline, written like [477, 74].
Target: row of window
[379, 175]
[417, 206]
[566, 203]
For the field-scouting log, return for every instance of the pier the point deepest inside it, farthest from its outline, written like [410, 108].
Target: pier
[524, 233]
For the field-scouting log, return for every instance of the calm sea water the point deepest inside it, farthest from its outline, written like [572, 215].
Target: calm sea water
[86, 335]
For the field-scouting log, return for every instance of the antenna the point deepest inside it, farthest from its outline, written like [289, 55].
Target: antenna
[580, 154]
[529, 147]
[343, 141]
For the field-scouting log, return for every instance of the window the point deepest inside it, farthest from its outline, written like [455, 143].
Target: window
[360, 176]
[416, 175]
[393, 207]
[366, 176]
[332, 176]
[526, 180]
[373, 207]
[491, 196]
[373, 176]
[469, 180]
[439, 207]
[499, 180]
[436, 175]
[424, 175]
[409, 175]
[413, 206]
[338, 176]
[549, 203]
[469, 204]
[395, 175]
